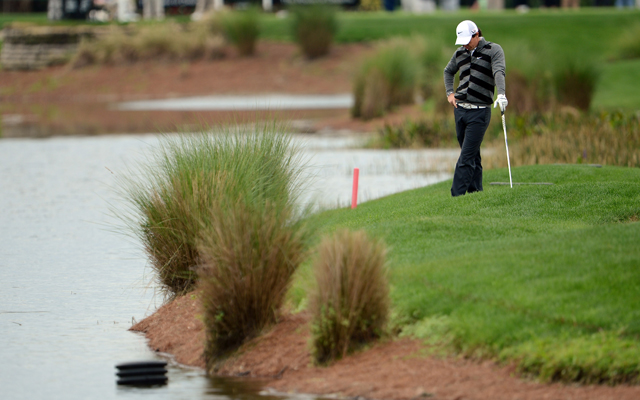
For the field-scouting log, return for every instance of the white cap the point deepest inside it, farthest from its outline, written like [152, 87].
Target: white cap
[465, 30]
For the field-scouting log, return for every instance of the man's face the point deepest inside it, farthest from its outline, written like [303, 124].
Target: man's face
[473, 43]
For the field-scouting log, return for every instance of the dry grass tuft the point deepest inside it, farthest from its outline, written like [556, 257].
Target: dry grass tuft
[350, 306]
[249, 256]
[162, 42]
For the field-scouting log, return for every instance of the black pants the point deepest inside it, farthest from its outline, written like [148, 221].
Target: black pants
[471, 124]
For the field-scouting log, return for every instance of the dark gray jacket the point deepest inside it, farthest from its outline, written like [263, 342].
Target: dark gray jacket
[479, 73]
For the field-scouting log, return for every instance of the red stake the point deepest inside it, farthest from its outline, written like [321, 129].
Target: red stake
[354, 193]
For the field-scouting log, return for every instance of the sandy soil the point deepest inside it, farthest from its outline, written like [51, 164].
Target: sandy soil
[67, 101]
[398, 369]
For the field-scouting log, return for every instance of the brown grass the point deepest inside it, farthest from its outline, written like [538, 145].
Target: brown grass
[350, 305]
[249, 256]
[571, 137]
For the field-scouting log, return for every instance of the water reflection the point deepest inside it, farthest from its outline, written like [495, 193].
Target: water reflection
[70, 287]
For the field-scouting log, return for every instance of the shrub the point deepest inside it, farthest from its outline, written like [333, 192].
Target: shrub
[435, 132]
[529, 94]
[576, 84]
[350, 305]
[314, 27]
[171, 202]
[242, 29]
[628, 46]
[386, 79]
[167, 41]
[432, 59]
[249, 254]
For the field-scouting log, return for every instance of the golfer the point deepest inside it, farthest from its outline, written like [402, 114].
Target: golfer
[481, 65]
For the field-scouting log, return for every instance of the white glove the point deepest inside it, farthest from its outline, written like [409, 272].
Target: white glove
[501, 101]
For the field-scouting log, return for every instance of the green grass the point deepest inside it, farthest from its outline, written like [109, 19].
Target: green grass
[543, 276]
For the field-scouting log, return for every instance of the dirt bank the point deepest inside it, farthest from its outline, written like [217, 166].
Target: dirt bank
[395, 369]
[67, 101]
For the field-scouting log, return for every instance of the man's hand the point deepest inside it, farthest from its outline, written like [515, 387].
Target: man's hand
[452, 100]
[501, 101]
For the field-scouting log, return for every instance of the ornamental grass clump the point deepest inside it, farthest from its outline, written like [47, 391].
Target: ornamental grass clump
[628, 46]
[242, 28]
[314, 27]
[386, 79]
[571, 137]
[171, 201]
[249, 255]
[576, 84]
[165, 42]
[350, 305]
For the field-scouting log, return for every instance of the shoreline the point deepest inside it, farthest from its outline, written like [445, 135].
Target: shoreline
[393, 369]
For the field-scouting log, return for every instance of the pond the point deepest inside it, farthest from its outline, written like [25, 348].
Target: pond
[71, 283]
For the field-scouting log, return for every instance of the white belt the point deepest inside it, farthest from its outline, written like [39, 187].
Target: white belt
[469, 106]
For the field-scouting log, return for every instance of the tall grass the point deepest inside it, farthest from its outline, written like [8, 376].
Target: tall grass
[159, 42]
[572, 137]
[314, 27]
[171, 201]
[386, 79]
[250, 253]
[242, 29]
[576, 84]
[628, 46]
[350, 305]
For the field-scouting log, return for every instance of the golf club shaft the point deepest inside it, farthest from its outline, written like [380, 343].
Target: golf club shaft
[504, 127]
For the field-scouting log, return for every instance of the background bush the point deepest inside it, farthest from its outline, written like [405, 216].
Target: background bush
[350, 305]
[242, 29]
[628, 45]
[166, 41]
[314, 27]
[386, 79]
[428, 132]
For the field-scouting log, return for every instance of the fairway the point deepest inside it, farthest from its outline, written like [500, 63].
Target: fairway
[546, 276]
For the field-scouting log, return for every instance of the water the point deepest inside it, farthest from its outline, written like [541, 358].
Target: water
[239, 103]
[70, 287]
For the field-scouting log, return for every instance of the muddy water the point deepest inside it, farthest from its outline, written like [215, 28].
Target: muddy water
[70, 287]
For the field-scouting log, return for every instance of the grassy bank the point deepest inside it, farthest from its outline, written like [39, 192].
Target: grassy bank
[543, 276]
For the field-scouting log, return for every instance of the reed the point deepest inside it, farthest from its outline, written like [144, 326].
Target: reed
[350, 305]
[571, 137]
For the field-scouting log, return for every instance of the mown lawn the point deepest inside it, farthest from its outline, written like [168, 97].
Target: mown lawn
[548, 276]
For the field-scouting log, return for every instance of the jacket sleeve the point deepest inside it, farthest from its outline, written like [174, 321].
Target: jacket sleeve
[449, 73]
[498, 66]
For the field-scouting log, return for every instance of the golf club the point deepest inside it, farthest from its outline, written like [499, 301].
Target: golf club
[504, 126]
